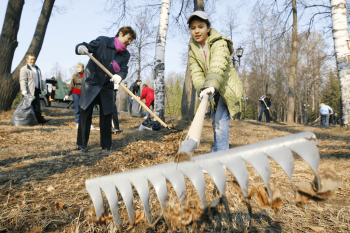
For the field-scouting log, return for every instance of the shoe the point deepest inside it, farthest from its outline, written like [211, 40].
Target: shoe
[77, 125]
[43, 121]
[107, 148]
[92, 127]
[117, 131]
[82, 148]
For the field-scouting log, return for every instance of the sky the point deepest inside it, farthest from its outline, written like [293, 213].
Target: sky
[83, 21]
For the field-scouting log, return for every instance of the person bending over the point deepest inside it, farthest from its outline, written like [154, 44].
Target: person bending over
[213, 73]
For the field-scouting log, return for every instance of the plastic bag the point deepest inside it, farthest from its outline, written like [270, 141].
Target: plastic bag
[24, 114]
[154, 125]
[136, 110]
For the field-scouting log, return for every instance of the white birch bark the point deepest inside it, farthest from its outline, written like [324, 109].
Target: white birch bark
[342, 54]
[159, 59]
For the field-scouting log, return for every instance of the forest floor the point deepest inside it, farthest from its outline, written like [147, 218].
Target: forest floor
[42, 178]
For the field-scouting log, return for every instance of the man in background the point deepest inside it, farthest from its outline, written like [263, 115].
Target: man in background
[30, 83]
[265, 104]
[325, 110]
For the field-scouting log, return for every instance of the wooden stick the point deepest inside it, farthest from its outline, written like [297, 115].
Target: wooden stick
[129, 92]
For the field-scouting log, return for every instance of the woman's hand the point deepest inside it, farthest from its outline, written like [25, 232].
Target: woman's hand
[207, 91]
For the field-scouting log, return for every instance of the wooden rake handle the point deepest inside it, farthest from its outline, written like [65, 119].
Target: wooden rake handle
[128, 91]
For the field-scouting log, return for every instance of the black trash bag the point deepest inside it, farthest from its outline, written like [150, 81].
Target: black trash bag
[136, 110]
[154, 125]
[24, 114]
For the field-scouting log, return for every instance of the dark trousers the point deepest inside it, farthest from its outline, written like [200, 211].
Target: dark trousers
[36, 106]
[85, 121]
[267, 114]
[115, 111]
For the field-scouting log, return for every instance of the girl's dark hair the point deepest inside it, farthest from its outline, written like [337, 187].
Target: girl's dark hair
[126, 30]
[200, 19]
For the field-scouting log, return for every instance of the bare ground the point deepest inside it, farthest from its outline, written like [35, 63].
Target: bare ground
[42, 179]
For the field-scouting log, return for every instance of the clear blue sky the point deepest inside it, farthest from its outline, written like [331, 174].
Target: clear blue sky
[84, 20]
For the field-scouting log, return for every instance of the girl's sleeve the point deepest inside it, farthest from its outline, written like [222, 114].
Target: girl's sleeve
[71, 86]
[197, 73]
[218, 65]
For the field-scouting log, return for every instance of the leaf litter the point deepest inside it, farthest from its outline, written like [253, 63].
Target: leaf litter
[42, 181]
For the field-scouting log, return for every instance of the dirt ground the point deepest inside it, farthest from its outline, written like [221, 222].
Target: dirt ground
[42, 179]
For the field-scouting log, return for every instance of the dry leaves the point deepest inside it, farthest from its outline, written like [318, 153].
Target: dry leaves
[59, 205]
[329, 181]
[35, 229]
[101, 221]
[263, 197]
[177, 219]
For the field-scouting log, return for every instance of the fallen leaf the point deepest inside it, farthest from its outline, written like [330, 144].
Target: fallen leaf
[59, 205]
[316, 229]
[50, 189]
[182, 157]
[329, 181]
[35, 229]
[139, 217]
[262, 196]
[276, 198]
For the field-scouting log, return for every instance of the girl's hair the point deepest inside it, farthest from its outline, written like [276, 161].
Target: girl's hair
[144, 85]
[200, 19]
[81, 65]
[127, 30]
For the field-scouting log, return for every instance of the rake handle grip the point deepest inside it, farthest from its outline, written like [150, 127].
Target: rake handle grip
[128, 91]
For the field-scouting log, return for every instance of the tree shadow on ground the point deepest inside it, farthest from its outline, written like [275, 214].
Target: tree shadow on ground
[289, 128]
[41, 170]
[259, 222]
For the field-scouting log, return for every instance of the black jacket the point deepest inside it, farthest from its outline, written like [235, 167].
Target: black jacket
[267, 101]
[95, 80]
[135, 89]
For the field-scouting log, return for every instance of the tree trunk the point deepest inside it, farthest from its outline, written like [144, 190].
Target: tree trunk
[189, 93]
[342, 51]
[159, 64]
[293, 64]
[8, 43]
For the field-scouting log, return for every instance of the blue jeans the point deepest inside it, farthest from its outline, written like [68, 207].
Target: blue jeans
[220, 121]
[76, 98]
[325, 120]
[151, 105]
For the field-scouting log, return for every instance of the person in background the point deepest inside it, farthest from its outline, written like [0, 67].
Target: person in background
[264, 108]
[336, 119]
[325, 110]
[148, 95]
[115, 122]
[30, 83]
[213, 74]
[97, 87]
[135, 89]
[74, 90]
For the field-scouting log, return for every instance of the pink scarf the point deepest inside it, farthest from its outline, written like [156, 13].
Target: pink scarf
[119, 47]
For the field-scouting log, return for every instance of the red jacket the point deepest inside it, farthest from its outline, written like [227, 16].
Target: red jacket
[147, 93]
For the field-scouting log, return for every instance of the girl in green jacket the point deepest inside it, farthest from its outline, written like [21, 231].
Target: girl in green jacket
[213, 73]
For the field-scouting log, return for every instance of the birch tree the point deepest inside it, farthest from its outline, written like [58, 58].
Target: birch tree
[159, 59]
[342, 54]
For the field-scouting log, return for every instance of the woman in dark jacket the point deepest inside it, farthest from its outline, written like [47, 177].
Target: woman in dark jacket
[97, 87]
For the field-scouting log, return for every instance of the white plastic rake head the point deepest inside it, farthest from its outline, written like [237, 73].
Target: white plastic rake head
[280, 150]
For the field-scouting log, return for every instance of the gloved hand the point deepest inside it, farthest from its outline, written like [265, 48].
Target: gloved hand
[82, 49]
[209, 90]
[24, 93]
[132, 98]
[116, 86]
[116, 79]
[268, 108]
[65, 98]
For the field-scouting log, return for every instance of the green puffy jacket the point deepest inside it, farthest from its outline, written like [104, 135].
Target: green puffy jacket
[221, 74]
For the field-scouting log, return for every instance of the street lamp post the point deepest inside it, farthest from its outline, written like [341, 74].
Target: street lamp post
[239, 53]
[246, 98]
